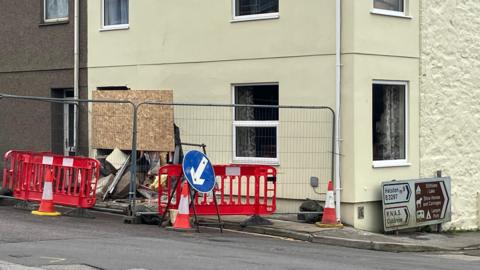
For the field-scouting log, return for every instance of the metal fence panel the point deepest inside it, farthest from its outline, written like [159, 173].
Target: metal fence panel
[297, 140]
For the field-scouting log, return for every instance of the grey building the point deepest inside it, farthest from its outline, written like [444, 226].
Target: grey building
[37, 59]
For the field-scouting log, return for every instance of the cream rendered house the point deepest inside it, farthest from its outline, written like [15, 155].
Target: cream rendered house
[202, 49]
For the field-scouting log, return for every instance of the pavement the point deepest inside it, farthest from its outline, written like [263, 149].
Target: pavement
[287, 226]
[34, 242]
[463, 242]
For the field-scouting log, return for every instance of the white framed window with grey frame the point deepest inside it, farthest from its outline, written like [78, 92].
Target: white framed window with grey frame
[255, 129]
[55, 11]
[115, 14]
[247, 10]
[390, 7]
[390, 123]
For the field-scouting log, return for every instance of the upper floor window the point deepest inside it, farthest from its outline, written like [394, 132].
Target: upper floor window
[390, 7]
[115, 14]
[255, 9]
[55, 10]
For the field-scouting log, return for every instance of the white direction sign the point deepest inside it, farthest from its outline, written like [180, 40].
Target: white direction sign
[197, 174]
[396, 193]
[396, 216]
[416, 202]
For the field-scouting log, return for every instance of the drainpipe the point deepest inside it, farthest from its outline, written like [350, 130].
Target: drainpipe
[338, 43]
[76, 70]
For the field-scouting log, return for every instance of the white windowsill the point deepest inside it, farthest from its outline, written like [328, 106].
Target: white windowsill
[259, 161]
[390, 163]
[57, 20]
[269, 16]
[115, 27]
[390, 13]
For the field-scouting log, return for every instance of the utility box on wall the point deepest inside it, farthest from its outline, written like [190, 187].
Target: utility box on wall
[415, 203]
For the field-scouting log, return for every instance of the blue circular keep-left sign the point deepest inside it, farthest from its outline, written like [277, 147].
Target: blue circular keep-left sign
[198, 170]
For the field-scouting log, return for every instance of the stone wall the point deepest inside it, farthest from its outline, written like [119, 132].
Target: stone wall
[450, 102]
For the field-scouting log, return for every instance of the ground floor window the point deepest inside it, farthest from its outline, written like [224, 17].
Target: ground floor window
[63, 124]
[255, 127]
[389, 123]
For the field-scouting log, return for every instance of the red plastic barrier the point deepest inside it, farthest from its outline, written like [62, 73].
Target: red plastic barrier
[75, 178]
[13, 168]
[240, 190]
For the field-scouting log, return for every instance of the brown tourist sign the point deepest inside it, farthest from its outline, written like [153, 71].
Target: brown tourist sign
[431, 200]
[414, 203]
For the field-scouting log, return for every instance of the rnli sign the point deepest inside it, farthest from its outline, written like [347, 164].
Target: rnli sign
[414, 203]
[396, 216]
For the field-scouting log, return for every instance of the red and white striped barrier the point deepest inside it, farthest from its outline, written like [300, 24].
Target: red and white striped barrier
[241, 190]
[74, 178]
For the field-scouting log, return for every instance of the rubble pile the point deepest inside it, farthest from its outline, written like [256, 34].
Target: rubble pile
[114, 184]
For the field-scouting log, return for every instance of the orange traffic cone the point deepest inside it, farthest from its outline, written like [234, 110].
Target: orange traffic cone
[329, 218]
[182, 221]
[46, 205]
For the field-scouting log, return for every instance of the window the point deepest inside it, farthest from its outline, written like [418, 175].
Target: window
[389, 7]
[69, 124]
[255, 9]
[55, 10]
[63, 132]
[255, 128]
[115, 14]
[389, 123]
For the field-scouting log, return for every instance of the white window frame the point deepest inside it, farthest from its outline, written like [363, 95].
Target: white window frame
[235, 124]
[63, 19]
[115, 26]
[401, 14]
[68, 147]
[395, 162]
[264, 16]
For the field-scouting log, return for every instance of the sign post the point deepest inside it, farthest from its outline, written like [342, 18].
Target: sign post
[414, 203]
[198, 170]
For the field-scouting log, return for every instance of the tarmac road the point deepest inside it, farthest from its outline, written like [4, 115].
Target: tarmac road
[107, 243]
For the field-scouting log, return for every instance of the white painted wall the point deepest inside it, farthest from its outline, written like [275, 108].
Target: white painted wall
[450, 95]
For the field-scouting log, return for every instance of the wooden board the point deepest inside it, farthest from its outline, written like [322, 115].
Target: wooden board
[112, 123]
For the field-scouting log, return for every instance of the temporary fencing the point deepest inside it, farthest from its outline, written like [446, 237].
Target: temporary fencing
[59, 140]
[297, 140]
[13, 168]
[75, 178]
[240, 190]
